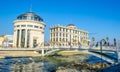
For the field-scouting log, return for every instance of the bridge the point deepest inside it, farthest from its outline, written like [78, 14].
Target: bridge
[94, 51]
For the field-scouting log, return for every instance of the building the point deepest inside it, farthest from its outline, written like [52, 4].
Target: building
[1, 41]
[28, 31]
[8, 41]
[68, 36]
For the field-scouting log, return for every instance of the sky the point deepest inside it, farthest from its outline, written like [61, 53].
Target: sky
[101, 18]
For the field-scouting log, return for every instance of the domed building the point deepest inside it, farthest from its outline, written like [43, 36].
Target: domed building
[68, 36]
[28, 31]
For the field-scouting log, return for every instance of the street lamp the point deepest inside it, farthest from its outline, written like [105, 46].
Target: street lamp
[117, 51]
[101, 51]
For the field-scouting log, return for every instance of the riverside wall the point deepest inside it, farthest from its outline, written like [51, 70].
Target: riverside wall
[17, 53]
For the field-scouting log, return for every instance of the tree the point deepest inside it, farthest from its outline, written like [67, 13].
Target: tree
[96, 44]
[104, 42]
[107, 41]
[114, 42]
[93, 40]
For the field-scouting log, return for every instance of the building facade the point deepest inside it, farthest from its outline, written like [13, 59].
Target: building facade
[1, 41]
[28, 31]
[68, 36]
[8, 41]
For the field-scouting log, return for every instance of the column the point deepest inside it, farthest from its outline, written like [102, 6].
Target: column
[43, 52]
[15, 38]
[31, 39]
[26, 38]
[58, 39]
[19, 45]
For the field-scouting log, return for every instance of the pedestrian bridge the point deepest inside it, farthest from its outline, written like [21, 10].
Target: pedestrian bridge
[94, 51]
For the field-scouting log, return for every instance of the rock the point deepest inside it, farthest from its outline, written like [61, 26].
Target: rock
[64, 69]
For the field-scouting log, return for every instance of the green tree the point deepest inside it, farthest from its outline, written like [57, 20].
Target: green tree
[114, 42]
[93, 40]
[107, 41]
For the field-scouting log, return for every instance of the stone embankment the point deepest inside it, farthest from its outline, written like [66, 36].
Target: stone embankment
[18, 53]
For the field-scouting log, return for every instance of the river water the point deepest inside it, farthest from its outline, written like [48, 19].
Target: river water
[45, 64]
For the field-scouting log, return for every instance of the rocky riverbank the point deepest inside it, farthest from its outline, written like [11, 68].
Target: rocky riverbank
[82, 67]
[78, 62]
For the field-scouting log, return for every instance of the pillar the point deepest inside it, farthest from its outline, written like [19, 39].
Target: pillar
[26, 38]
[43, 53]
[19, 45]
[15, 38]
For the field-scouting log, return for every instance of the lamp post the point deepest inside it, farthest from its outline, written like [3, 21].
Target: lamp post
[117, 51]
[101, 51]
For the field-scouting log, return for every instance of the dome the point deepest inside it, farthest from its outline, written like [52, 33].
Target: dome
[29, 16]
[70, 25]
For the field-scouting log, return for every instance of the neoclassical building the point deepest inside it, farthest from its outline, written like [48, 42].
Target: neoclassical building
[68, 35]
[28, 31]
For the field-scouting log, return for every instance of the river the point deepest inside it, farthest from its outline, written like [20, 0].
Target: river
[54, 63]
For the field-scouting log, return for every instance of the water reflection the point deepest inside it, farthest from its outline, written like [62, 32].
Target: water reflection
[17, 66]
[47, 64]
[30, 67]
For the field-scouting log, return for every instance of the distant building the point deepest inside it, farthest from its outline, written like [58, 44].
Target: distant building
[68, 36]
[1, 41]
[28, 31]
[8, 41]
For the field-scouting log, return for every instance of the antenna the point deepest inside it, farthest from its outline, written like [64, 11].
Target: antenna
[30, 5]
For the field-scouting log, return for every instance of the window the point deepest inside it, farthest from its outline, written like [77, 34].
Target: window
[35, 18]
[29, 25]
[18, 25]
[60, 29]
[60, 39]
[32, 18]
[11, 41]
[40, 27]
[35, 26]
[63, 29]
[24, 17]
[56, 34]
[56, 39]
[23, 25]
[63, 34]
[60, 34]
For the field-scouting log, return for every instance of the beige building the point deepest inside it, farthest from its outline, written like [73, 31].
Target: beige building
[28, 31]
[1, 41]
[68, 36]
[8, 41]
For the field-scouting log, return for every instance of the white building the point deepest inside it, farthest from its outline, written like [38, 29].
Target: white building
[28, 31]
[1, 40]
[8, 41]
[68, 35]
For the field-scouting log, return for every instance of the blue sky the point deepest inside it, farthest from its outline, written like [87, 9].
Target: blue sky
[101, 18]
